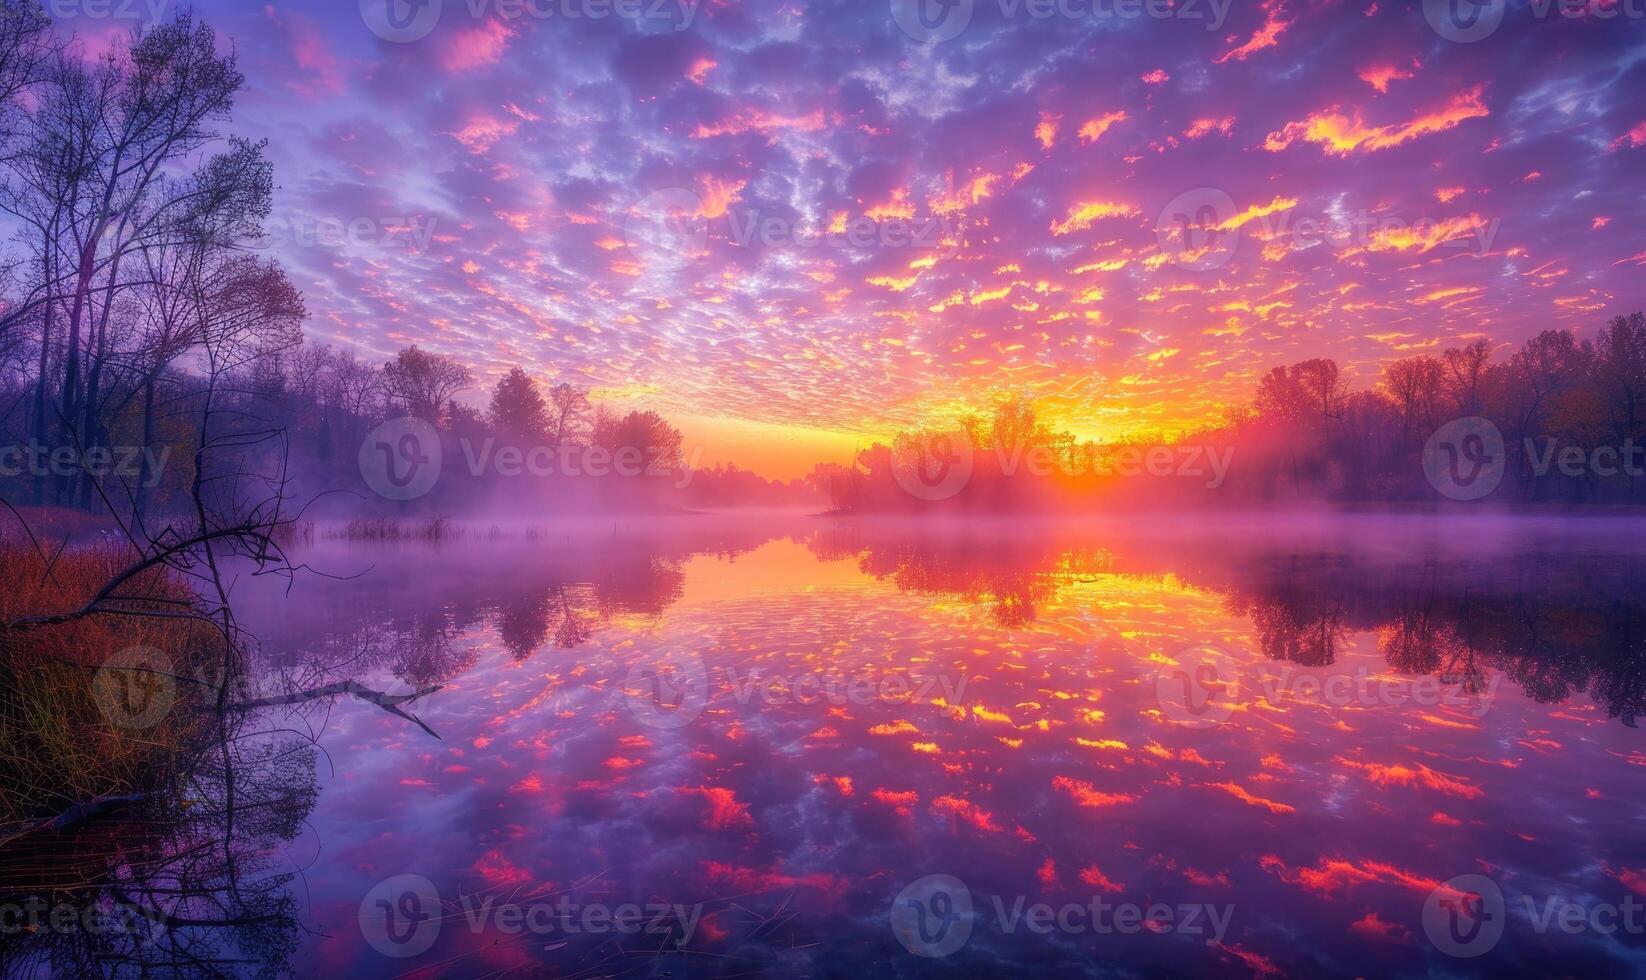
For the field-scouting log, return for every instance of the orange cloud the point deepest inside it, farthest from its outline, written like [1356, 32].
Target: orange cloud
[1415, 776]
[1047, 873]
[1373, 929]
[482, 131]
[896, 284]
[699, 71]
[900, 800]
[1257, 211]
[966, 810]
[1260, 965]
[1205, 127]
[1275, 24]
[1335, 874]
[1240, 793]
[962, 197]
[718, 195]
[1425, 237]
[724, 812]
[1379, 76]
[1437, 296]
[1086, 794]
[1342, 134]
[1093, 877]
[1081, 216]
[896, 208]
[757, 120]
[1046, 129]
[1093, 129]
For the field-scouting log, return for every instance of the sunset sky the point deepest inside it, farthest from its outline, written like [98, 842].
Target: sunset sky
[1497, 186]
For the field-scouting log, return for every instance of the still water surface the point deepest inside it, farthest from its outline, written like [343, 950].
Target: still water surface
[1273, 742]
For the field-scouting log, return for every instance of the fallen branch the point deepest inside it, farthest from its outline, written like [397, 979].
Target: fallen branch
[76, 814]
[388, 702]
[107, 592]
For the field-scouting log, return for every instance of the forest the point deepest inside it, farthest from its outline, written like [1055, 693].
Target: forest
[1568, 409]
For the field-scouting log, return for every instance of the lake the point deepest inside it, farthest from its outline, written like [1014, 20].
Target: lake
[790, 746]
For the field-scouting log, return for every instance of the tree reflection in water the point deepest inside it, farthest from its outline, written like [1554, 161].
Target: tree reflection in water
[192, 881]
[205, 864]
[1556, 624]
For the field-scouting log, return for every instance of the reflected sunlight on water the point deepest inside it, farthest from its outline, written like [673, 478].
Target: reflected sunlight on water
[781, 733]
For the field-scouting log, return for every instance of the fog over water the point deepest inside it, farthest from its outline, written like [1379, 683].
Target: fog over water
[1291, 731]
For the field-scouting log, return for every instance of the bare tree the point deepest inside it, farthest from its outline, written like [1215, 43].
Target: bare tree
[1414, 384]
[25, 45]
[98, 181]
[422, 382]
[355, 386]
[1466, 368]
[1621, 349]
[570, 415]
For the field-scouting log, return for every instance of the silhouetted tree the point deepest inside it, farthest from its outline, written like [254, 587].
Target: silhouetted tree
[422, 383]
[517, 407]
[569, 415]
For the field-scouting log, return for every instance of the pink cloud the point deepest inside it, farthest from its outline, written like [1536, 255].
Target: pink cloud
[476, 48]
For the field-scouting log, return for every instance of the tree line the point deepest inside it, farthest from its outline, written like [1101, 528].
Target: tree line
[1569, 414]
[148, 350]
[134, 308]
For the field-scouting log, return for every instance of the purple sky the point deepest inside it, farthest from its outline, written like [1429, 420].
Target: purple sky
[861, 227]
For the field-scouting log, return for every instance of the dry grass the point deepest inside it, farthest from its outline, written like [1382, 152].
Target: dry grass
[61, 741]
[52, 524]
[434, 529]
[294, 534]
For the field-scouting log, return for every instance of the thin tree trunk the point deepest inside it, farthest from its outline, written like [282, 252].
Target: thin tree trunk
[38, 423]
[71, 369]
[93, 431]
[140, 495]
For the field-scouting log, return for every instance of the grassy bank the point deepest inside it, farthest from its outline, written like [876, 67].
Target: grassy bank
[103, 705]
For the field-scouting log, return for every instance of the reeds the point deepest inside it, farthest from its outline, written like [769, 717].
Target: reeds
[101, 705]
[433, 530]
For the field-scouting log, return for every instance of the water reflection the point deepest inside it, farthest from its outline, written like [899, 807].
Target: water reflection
[197, 880]
[880, 703]
[1561, 617]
